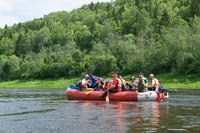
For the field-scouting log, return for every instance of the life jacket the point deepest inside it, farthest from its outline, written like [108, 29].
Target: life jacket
[156, 82]
[118, 87]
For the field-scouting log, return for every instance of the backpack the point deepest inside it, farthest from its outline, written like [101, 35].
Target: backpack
[161, 88]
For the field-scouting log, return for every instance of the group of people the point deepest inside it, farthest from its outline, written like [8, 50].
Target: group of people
[141, 84]
[119, 84]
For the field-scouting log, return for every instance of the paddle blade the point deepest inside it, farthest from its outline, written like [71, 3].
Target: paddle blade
[107, 99]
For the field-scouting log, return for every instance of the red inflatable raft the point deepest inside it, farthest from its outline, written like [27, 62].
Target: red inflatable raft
[73, 94]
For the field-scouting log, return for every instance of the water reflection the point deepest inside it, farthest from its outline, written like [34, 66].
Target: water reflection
[139, 116]
[49, 111]
[123, 116]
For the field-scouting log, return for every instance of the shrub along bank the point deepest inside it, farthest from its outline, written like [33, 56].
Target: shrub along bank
[168, 80]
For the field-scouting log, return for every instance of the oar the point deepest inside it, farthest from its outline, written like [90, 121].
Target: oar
[87, 93]
[171, 90]
[107, 97]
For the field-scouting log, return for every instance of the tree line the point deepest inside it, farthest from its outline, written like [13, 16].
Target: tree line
[124, 36]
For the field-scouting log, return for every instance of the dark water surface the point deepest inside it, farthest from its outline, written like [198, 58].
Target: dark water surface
[48, 111]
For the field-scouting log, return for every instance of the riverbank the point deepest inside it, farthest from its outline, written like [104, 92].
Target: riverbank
[180, 81]
[168, 80]
[46, 83]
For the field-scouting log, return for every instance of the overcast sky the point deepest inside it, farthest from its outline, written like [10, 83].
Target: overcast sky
[15, 11]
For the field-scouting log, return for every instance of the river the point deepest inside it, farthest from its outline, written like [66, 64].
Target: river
[48, 111]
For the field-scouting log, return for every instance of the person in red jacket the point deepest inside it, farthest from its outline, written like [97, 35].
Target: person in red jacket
[115, 87]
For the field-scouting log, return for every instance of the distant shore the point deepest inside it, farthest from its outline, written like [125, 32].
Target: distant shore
[168, 80]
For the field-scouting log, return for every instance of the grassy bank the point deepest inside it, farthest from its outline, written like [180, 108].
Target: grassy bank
[181, 81]
[169, 81]
[46, 83]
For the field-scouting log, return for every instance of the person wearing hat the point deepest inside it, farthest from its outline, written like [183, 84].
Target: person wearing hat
[115, 87]
[143, 83]
[117, 83]
[154, 83]
[86, 83]
[134, 83]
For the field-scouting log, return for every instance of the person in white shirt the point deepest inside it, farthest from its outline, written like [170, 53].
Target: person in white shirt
[86, 83]
[154, 83]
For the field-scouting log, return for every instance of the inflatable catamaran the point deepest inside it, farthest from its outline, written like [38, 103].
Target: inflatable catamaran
[74, 94]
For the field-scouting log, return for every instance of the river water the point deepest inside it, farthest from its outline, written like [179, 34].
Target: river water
[48, 111]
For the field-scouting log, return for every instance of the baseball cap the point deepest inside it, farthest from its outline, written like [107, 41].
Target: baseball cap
[114, 75]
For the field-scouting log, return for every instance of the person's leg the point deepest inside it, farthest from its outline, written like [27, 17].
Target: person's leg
[104, 94]
[111, 90]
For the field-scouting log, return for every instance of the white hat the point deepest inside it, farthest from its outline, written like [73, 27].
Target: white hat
[151, 75]
[87, 76]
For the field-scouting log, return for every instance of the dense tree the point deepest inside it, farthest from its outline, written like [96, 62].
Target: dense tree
[7, 46]
[42, 39]
[195, 8]
[123, 36]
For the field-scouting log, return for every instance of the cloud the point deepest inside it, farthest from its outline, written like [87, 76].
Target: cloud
[8, 20]
[15, 11]
[5, 6]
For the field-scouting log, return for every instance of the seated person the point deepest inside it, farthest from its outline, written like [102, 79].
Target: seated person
[134, 84]
[116, 86]
[123, 82]
[86, 83]
[100, 85]
[142, 84]
[154, 83]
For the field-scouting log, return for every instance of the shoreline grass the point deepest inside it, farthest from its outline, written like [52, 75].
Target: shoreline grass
[39, 84]
[168, 80]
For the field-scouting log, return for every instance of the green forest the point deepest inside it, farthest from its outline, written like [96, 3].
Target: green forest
[123, 36]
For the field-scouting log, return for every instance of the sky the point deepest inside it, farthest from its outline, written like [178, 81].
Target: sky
[15, 11]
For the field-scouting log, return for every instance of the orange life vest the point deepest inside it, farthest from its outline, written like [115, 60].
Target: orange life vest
[156, 82]
[119, 84]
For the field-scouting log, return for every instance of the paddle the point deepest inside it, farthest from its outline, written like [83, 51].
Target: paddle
[89, 90]
[171, 90]
[107, 97]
